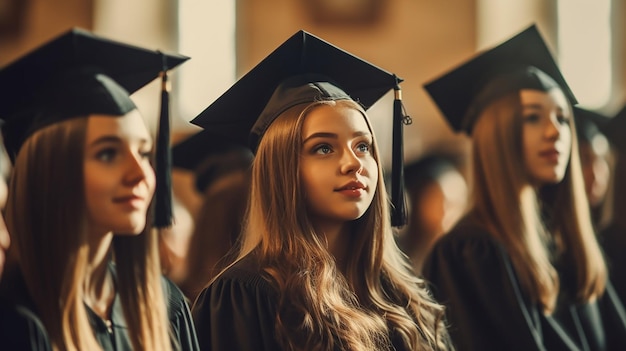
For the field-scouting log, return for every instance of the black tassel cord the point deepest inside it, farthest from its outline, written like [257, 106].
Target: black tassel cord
[163, 159]
[398, 201]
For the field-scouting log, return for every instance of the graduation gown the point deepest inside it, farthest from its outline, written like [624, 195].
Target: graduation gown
[21, 329]
[613, 241]
[21, 326]
[472, 274]
[238, 311]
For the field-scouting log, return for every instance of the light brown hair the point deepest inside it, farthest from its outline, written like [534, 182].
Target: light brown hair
[512, 209]
[378, 296]
[46, 217]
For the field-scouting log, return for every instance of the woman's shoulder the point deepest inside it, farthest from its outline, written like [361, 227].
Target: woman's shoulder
[470, 249]
[246, 274]
[174, 298]
[237, 311]
[245, 280]
[182, 329]
[469, 235]
[176, 302]
[241, 287]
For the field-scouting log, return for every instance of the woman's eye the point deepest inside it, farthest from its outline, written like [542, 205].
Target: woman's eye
[145, 153]
[322, 149]
[531, 118]
[562, 119]
[363, 147]
[106, 155]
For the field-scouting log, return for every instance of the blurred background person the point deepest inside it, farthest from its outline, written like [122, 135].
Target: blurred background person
[613, 237]
[174, 242]
[597, 163]
[221, 171]
[84, 259]
[437, 194]
[523, 270]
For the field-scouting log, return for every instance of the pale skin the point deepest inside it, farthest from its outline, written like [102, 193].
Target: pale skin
[338, 172]
[546, 135]
[119, 184]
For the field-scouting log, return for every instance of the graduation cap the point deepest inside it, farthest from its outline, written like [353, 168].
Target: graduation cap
[589, 123]
[305, 69]
[522, 62]
[78, 74]
[210, 157]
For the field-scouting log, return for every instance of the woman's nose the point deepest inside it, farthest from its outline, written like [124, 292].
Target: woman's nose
[553, 128]
[351, 163]
[136, 171]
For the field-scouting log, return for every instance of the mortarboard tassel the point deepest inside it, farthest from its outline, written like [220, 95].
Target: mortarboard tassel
[163, 192]
[398, 211]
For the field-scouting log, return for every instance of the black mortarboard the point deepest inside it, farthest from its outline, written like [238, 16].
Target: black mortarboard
[522, 62]
[588, 123]
[304, 69]
[210, 156]
[78, 74]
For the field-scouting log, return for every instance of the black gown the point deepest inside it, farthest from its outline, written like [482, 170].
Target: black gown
[22, 328]
[613, 240]
[472, 274]
[238, 311]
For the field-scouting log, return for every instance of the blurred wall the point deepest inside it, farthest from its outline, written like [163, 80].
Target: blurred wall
[37, 21]
[618, 26]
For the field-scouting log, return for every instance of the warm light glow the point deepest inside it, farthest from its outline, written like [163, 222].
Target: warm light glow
[585, 49]
[207, 35]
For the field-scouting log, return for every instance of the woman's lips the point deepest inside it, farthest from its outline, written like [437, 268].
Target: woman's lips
[352, 189]
[551, 155]
[132, 201]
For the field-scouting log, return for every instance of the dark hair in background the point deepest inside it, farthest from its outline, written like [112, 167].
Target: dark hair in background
[223, 180]
[589, 130]
[424, 179]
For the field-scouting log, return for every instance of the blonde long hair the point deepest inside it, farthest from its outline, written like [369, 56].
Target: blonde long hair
[319, 308]
[512, 209]
[46, 217]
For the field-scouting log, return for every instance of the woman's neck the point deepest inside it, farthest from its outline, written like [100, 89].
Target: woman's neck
[337, 237]
[99, 287]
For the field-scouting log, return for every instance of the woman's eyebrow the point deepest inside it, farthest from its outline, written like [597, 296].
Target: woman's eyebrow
[106, 139]
[321, 135]
[333, 135]
[535, 106]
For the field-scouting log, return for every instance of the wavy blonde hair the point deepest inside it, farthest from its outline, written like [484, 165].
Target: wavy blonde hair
[46, 216]
[320, 308]
[512, 209]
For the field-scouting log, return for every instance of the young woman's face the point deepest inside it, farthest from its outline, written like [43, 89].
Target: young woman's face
[338, 171]
[546, 135]
[119, 180]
